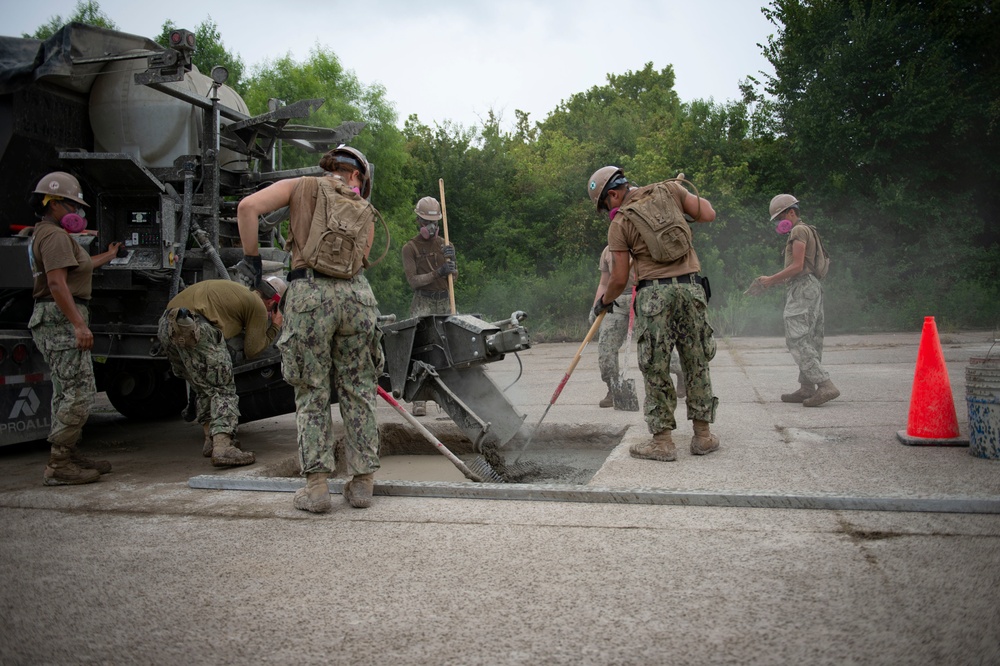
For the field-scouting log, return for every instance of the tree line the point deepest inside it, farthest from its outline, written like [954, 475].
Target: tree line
[881, 117]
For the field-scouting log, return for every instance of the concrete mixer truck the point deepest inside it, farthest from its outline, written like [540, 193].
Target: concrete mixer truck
[164, 153]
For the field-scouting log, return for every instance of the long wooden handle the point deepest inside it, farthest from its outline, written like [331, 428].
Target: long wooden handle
[579, 352]
[444, 223]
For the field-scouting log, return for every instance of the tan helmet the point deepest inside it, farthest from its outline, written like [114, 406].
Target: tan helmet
[61, 184]
[273, 288]
[428, 208]
[602, 180]
[355, 158]
[780, 204]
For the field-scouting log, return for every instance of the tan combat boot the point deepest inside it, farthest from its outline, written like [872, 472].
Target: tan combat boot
[703, 441]
[206, 444]
[804, 392]
[358, 491]
[661, 448]
[825, 392]
[102, 466]
[62, 471]
[224, 454]
[315, 495]
[608, 401]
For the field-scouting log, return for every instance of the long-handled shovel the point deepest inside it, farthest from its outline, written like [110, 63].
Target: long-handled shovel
[469, 474]
[572, 366]
[623, 393]
[447, 241]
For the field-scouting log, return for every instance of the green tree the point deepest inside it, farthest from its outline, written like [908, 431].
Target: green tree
[86, 11]
[890, 113]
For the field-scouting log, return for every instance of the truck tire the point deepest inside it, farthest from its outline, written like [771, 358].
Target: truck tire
[146, 391]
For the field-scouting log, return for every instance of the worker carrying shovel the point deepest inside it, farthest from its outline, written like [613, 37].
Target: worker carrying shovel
[428, 261]
[614, 332]
[649, 224]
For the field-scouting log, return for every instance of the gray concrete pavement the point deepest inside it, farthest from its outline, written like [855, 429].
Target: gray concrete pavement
[140, 568]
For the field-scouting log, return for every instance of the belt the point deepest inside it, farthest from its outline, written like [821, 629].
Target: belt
[306, 273]
[436, 295]
[78, 301]
[690, 278]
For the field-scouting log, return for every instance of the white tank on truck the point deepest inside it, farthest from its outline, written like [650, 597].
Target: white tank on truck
[155, 128]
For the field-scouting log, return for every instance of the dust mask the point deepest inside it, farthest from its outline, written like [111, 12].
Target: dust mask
[611, 213]
[428, 230]
[73, 223]
[784, 226]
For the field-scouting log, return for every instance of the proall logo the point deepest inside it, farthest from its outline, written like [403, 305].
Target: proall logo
[26, 404]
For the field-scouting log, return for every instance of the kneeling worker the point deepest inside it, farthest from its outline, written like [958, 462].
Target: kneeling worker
[193, 331]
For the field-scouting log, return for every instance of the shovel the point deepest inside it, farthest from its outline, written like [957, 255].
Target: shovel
[572, 366]
[623, 392]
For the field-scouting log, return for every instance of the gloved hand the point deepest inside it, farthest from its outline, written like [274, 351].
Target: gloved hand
[600, 307]
[591, 318]
[447, 268]
[250, 271]
[449, 252]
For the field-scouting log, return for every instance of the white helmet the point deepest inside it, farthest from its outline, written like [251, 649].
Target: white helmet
[780, 204]
[428, 208]
[272, 288]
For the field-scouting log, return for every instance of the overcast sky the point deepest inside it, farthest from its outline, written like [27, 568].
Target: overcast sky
[457, 59]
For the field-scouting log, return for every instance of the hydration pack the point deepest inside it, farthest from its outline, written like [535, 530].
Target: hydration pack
[654, 212]
[339, 226]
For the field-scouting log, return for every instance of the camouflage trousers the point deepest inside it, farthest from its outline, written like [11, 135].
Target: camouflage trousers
[208, 368]
[804, 327]
[73, 385]
[612, 335]
[424, 305]
[669, 315]
[329, 337]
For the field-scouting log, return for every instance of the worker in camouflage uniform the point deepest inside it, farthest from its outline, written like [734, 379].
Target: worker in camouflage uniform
[193, 332]
[614, 332]
[671, 305]
[329, 331]
[803, 314]
[60, 322]
[427, 262]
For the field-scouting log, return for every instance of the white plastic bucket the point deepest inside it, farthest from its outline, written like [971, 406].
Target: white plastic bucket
[982, 395]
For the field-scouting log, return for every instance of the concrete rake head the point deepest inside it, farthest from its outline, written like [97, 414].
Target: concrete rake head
[500, 472]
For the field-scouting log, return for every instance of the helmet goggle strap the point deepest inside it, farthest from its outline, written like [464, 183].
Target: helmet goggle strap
[350, 161]
[617, 180]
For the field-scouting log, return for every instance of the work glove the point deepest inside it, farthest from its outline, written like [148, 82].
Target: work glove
[600, 307]
[591, 318]
[449, 252]
[250, 271]
[447, 268]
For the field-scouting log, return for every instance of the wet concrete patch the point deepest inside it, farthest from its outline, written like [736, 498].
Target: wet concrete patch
[564, 454]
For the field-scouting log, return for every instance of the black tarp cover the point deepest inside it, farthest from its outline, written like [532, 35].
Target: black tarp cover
[25, 61]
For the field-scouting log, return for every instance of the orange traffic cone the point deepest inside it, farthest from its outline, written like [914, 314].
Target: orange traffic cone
[933, 420]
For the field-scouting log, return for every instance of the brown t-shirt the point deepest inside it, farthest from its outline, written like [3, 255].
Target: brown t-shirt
[607, 266]
[624, 237]
[231, 308]
[802, 232]
[421, 259]
[53, 248]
